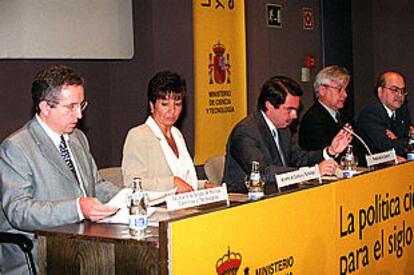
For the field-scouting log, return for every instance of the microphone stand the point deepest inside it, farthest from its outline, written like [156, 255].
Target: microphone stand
[359, 138]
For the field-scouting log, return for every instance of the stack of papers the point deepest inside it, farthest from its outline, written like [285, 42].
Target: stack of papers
[122, 201]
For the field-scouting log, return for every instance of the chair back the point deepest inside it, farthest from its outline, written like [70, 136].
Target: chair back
[112, 174]
[24, 243]
[214, 169]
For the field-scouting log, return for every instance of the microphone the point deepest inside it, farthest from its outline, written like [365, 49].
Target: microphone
[358, 138]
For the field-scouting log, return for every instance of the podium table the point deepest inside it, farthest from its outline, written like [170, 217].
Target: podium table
[362, 225]
[89, 248]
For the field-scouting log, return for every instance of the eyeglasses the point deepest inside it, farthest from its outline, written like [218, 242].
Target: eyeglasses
[73, 107]
[339, 89]
[396, 91]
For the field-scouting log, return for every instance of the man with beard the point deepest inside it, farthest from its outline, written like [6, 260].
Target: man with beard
[264, 136]
[384, 122]
[323, 121]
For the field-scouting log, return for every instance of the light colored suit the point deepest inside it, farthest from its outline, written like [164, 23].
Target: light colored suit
[144, 157]
[38, 189]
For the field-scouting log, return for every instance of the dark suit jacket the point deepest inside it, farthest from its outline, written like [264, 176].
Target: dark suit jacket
[38, 189]
[251, 140]
[372, 122]
[317, 128]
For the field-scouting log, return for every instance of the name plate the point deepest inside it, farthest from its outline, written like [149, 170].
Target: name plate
[301, 175]
[382, 157]
[199, 197]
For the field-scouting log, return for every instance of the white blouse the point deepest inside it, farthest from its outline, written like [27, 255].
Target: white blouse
[182, 166]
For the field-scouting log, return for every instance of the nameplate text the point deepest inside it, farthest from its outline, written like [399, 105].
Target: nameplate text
[301, 175]
[199, 197]
[382, 157]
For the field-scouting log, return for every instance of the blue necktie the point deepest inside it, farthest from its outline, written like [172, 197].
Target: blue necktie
[64, 152]
[279, 149]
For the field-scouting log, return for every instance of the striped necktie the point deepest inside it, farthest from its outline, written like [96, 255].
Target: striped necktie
[279, 149]
[64, 152]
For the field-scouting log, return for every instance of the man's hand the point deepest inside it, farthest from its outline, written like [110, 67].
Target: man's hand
[94, 210]
[340, 141]
[401, 159]
[211, 185]
[390, 134]
[327, 167]
[181, 185]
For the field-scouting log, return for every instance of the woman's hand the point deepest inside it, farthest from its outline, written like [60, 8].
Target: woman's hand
[211, 185]
[181, 185]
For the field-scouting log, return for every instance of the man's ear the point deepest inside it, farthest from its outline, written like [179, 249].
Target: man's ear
[151, 107]
[269, 105]
[44, 107]
[322, 90]
[380, 91]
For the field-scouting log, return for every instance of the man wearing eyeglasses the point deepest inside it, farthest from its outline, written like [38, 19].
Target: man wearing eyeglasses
[384, 122]
[323, 120]
[47, 173]
[264, 136]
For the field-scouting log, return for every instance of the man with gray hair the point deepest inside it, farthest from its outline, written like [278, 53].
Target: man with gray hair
[323, 121]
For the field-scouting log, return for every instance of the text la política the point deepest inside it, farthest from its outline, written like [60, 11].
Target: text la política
[382, 210]
[359, 258]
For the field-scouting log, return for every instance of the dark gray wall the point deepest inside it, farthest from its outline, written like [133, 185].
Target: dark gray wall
[382, 35]
[272, 51]
[336, 36]
[163, 40]
[383, 41]
[116, 90]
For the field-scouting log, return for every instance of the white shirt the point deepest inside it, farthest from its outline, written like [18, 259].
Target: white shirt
[330, 111]
[182, 166]
[269, 123]
[272, 126]
[273, 129]
[389, 111]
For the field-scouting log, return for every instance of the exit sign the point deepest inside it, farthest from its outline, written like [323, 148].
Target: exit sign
[274, 15]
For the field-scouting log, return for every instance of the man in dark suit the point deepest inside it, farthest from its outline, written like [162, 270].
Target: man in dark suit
[47, 173]
[384, 122]
[323, 121]
[263, 136]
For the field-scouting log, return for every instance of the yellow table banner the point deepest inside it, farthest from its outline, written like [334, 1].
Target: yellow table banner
[219, 73]
[362, 225]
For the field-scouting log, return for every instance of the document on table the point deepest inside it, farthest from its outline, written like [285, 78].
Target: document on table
[122, 199]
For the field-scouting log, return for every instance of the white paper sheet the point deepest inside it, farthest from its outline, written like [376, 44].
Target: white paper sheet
[122, 199]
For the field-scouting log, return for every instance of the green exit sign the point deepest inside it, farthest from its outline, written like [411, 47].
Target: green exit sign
[274, 15]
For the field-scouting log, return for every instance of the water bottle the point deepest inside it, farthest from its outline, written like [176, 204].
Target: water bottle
[138, 219]
[255, 182]
[349, 163]
[410, 145]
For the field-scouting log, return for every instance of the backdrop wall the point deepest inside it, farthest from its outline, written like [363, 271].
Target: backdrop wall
[163, 39]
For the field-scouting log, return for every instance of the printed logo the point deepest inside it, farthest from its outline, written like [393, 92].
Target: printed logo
[219, 65]
[229, 264]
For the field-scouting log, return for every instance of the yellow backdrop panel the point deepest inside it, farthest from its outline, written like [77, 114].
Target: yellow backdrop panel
[219, 73]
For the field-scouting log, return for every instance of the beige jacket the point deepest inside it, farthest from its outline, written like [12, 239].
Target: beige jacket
[143, 156]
